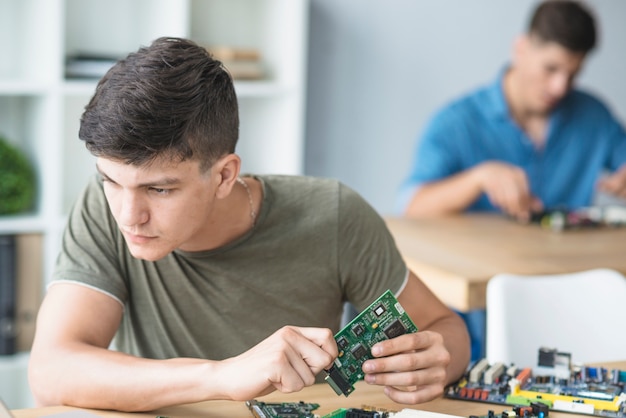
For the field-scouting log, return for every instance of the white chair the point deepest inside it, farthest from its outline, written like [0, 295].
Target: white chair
[581, 313]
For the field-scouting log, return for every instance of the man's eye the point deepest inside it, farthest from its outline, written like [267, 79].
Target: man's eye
[103, 179]
[107, 182]
[551, 69]
[158, 190]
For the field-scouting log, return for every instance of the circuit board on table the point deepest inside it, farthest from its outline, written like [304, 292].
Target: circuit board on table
[371, 412]
[535, 410]
[282, 410]
[554, 382]
[302, 409]
[586, 217]
[383, 319]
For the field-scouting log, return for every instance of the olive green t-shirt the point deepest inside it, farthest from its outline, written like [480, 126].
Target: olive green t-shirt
[316, 244]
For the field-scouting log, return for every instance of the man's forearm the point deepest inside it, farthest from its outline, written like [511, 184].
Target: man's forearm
[103, 379]
[450, 195]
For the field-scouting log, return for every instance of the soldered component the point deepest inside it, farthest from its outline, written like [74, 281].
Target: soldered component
[394, 329]
[476, 373]
[556, 383]
[281, 410]
[493, 373]
[357, 413]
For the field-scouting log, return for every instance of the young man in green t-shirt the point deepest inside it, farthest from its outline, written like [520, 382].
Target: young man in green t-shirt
[211, 285]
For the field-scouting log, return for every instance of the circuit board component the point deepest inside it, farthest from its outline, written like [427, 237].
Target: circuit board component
[555, 384]
[534, 410]
[364, 412]
[383, 319]
[357, 413]
[302, 409]
[368, 412]
[282, 410]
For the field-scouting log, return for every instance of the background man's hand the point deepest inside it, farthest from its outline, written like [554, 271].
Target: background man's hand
[507, 187]
[615, 183]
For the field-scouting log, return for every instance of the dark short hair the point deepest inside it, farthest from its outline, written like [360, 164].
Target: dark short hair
[566, 22]
[170, 99]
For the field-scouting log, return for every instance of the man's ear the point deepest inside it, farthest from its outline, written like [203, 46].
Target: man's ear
[520, 46]
[226, 171]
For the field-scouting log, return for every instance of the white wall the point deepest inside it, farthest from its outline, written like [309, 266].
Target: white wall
[379, 68]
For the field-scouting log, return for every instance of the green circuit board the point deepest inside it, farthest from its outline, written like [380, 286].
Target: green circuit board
[282, 410]
[358, 413]
[383, 319]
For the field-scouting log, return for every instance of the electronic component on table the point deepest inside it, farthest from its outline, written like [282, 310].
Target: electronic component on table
[282, 410]
[374, 413]
[304, 410]
[383, 319]
[585, 217]
[555, 383]
[358, 413]
[534, 410]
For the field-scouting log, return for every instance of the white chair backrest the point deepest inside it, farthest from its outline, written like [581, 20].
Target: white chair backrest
[581, 313]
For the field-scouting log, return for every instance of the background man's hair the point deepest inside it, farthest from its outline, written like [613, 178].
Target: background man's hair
[170, 99]
[566, 22]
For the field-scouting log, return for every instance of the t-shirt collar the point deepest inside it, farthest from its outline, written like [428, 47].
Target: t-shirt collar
[495, 94]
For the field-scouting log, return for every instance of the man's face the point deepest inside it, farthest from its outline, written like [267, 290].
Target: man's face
[547, 71]
[159, 207]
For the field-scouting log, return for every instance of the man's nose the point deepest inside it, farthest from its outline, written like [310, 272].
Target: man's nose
[133, 210]
[560, 85]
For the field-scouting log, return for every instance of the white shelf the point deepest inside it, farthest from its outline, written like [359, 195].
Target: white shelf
[79, 87]
[40, 109]
[21, 224]
[19, 87]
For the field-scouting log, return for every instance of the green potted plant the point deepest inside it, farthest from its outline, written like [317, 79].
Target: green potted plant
[17, 180]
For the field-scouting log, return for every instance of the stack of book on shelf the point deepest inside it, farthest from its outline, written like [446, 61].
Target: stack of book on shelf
[241, 63]
[89, 65]
[8, 294]
[21, 289]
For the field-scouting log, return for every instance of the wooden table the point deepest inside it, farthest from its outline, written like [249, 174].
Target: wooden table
[456, 256]
[320, 393]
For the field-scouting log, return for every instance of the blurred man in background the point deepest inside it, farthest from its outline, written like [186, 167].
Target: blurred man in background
[528, 142]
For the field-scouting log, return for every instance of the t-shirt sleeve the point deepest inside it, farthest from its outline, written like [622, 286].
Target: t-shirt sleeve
[90, 243]
[369, 261]
[617, 135]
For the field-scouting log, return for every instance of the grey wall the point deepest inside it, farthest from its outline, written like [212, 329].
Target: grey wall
[379, 68]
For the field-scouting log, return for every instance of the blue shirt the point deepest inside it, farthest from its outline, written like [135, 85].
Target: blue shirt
[583, 141]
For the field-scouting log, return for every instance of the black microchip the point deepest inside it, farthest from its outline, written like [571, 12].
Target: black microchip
[342, 343]
[380, 309]
[358, 330]
[286, 411]
[359, 351]
[362, 413]
[394, 329]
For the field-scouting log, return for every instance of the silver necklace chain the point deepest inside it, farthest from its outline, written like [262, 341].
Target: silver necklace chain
[245, 186]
